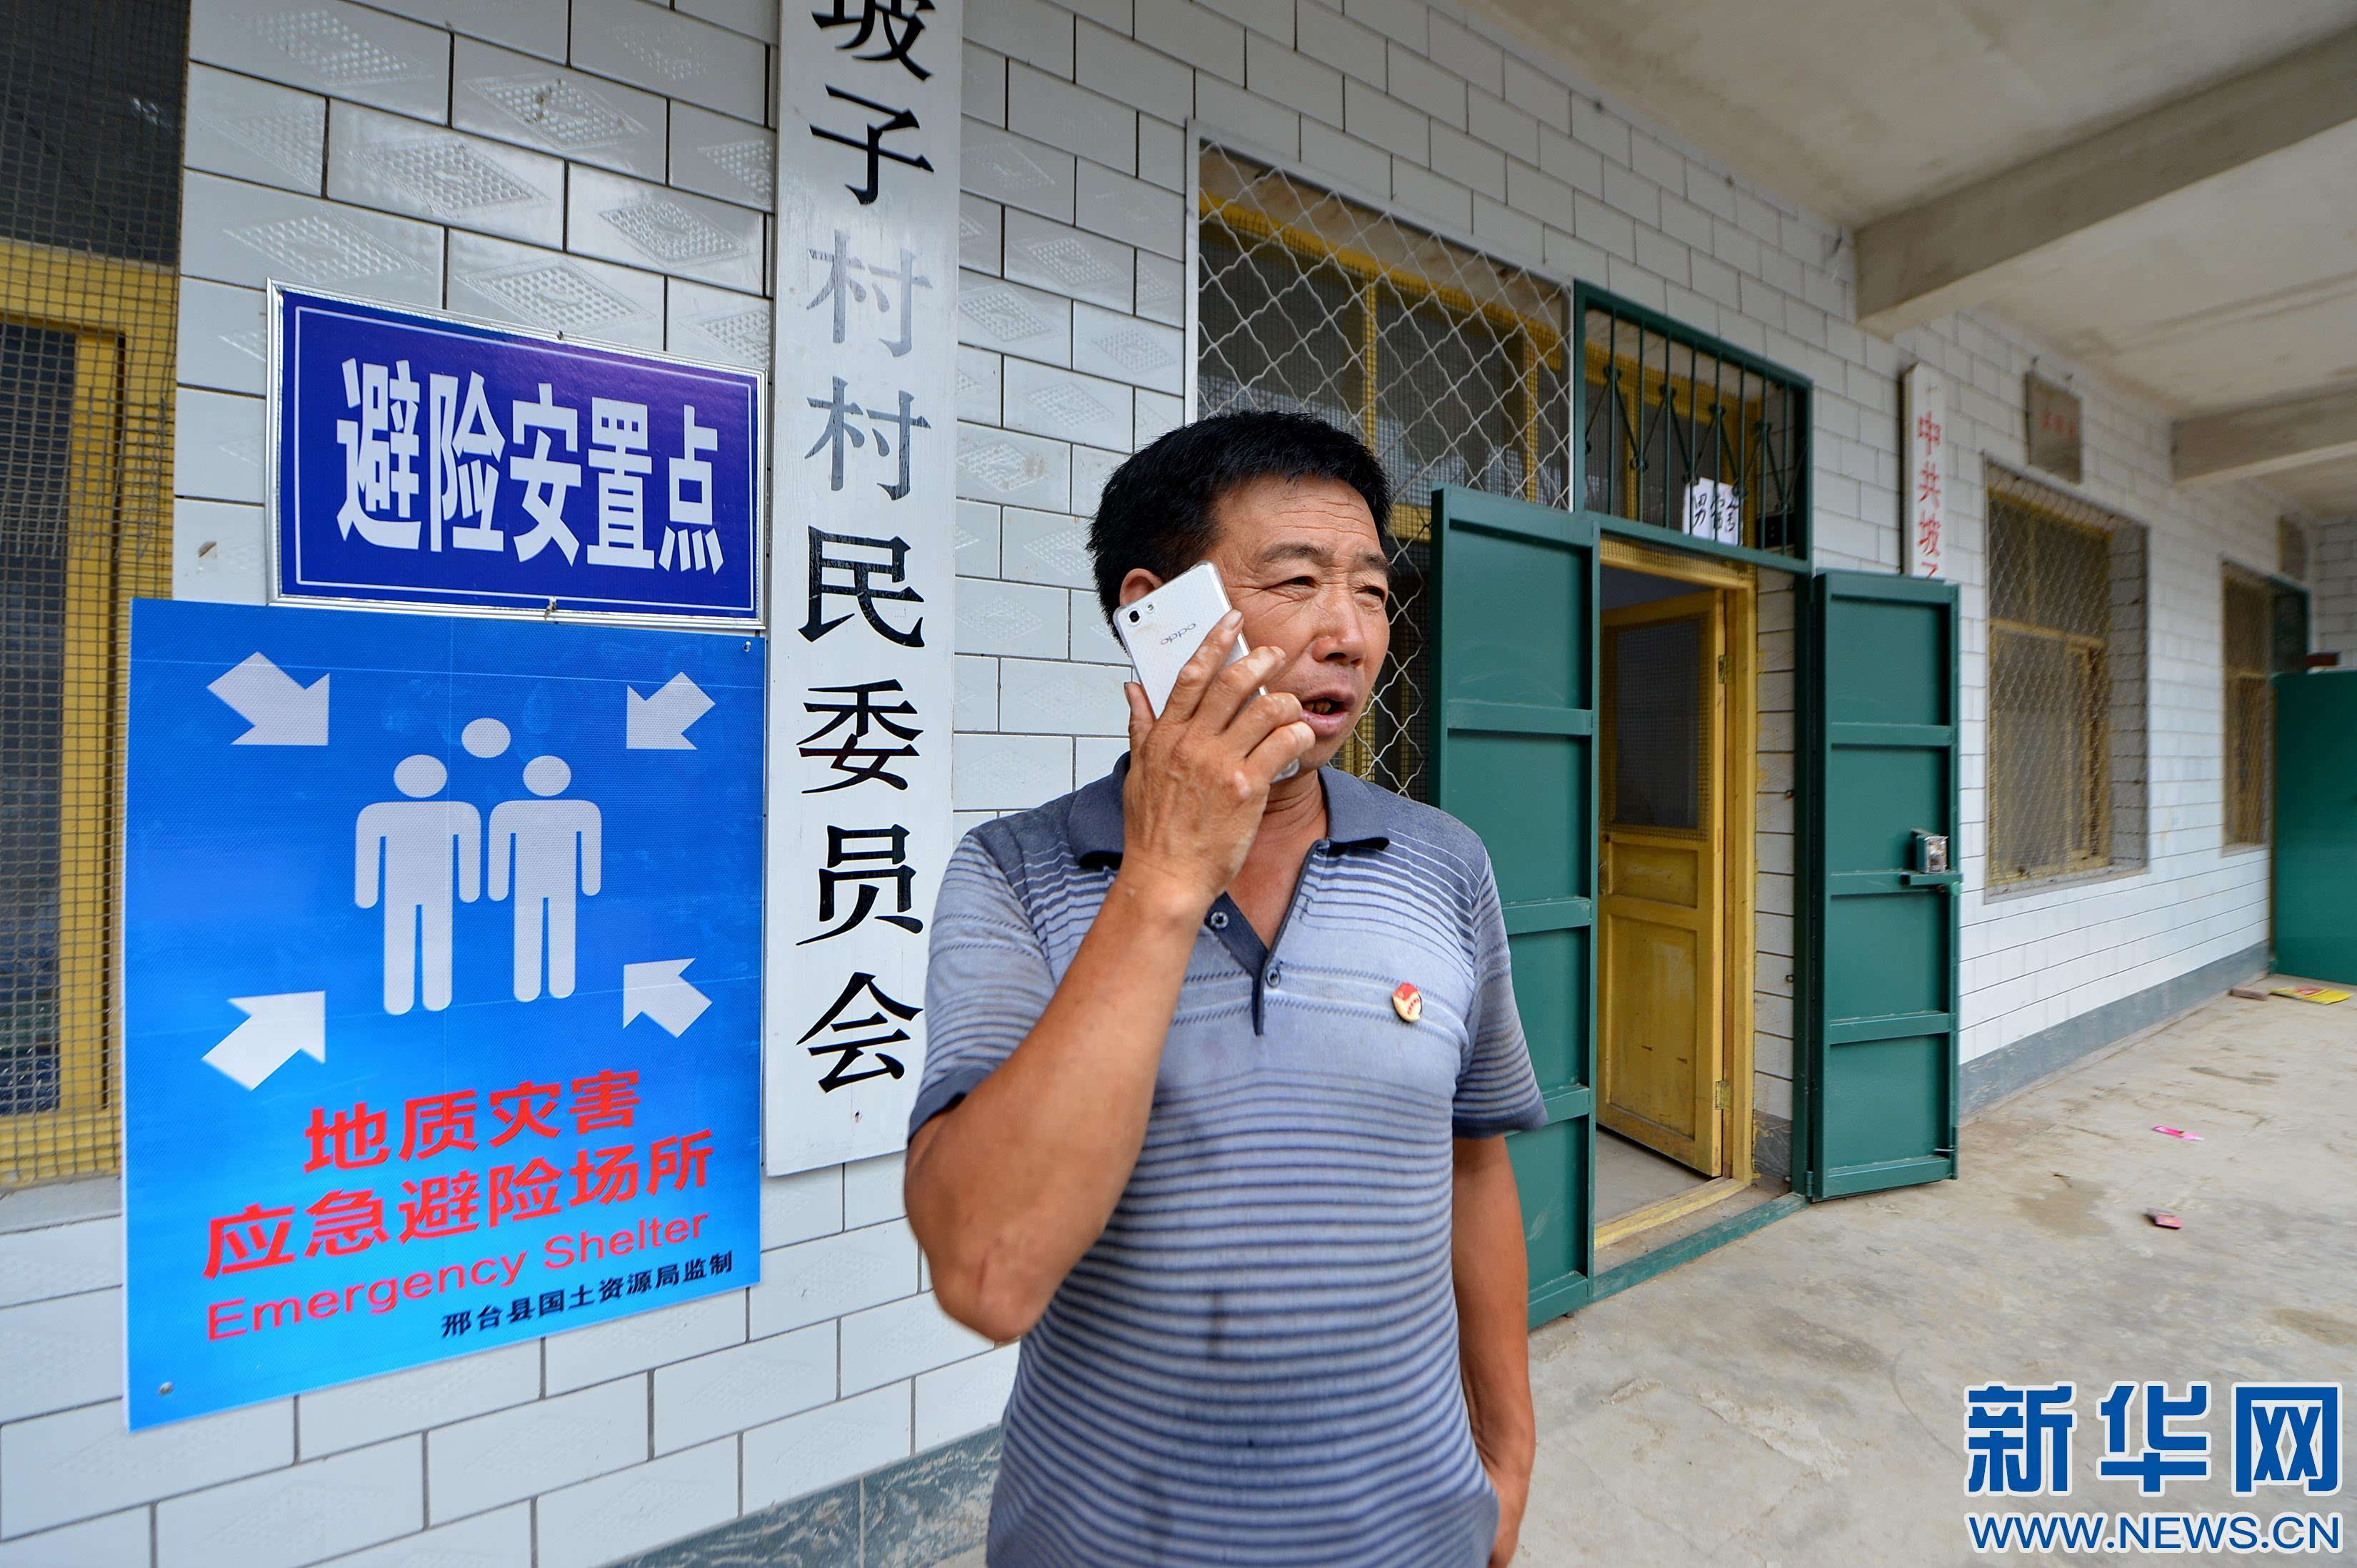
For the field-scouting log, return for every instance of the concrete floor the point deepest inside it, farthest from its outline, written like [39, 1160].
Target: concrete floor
[1629, 1175]
[1797, 1397]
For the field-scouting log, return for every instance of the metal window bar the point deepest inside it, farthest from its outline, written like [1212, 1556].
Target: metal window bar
[1663, 412]
[2053, 588]
[91, 97]
[1452, 366]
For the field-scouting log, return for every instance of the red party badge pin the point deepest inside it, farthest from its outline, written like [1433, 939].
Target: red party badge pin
[1407, 1002]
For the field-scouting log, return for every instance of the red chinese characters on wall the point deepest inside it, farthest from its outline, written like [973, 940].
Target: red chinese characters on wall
[1923, 524]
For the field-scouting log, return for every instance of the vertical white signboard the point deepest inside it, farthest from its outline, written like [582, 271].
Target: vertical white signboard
[862, 575]
[1924, 526]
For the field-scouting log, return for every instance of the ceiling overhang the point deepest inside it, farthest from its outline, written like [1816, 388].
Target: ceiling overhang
[2244, 443]
[1961, 250]
[2161, 192]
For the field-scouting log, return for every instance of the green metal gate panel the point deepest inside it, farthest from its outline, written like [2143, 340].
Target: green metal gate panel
[1513, 716]
[2315, 825]
[1879, 1095]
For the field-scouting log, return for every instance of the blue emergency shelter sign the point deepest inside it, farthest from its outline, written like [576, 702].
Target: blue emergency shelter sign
[442, 965]
[422, 459]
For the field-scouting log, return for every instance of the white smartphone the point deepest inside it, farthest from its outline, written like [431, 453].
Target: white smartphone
[1163, 630]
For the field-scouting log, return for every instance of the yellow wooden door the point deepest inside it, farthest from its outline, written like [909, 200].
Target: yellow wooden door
[1661, 997]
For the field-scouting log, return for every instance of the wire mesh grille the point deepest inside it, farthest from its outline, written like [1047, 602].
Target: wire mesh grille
[1450, 365]
[1458, 370]
[90, 141]
[2054, 585]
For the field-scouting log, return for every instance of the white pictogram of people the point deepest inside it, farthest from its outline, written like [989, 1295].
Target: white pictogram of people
[420, 856]
[430, 849]
[554, 848]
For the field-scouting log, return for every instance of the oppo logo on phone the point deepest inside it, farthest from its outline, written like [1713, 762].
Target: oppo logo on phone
[1162, 630]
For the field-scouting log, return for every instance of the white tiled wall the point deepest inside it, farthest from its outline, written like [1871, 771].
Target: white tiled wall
[602, 166]
[2332, 576]
[1393, 98]
[605, 170]
[1774, 885]
[2034, 960]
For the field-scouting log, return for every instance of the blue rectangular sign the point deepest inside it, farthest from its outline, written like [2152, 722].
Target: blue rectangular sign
[421, 459]
[442, 963]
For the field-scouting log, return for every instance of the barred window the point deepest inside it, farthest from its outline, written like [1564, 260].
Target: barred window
[1450, 365]
[1456, 368]
[2266, 634]
[1674, 434]
[2066, 730]
[90, 155]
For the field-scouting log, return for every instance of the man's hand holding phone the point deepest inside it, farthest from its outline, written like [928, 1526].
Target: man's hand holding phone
[1199, 774]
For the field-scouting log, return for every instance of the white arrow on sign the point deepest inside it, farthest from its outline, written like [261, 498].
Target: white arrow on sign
[275, 1027]
[659, 723]
[658, 990]
[282, 711]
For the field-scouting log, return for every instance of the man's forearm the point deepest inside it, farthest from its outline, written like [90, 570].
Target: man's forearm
[1007, 1191]
[1492, 1279]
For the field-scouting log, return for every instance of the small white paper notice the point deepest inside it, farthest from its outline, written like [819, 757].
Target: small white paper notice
[1715, 512]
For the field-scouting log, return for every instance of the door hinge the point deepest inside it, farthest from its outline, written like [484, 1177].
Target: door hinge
[1718, 1094]
[1722, 669]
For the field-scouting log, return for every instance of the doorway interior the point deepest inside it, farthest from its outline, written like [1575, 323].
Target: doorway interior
[1678, 780]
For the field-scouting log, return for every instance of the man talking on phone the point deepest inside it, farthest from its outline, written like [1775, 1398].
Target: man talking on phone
[1220, 1065]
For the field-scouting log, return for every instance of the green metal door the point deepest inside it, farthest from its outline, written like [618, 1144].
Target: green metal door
[1878, 1100]
[1513, 716]
[2315, 825]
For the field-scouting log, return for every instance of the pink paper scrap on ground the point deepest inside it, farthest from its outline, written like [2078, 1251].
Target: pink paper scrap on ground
[2179, 1132]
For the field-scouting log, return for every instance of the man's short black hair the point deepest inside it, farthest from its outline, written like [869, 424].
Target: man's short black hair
[1156, 511]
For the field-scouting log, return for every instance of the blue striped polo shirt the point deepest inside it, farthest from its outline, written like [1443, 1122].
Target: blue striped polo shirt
[1256, 1362]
